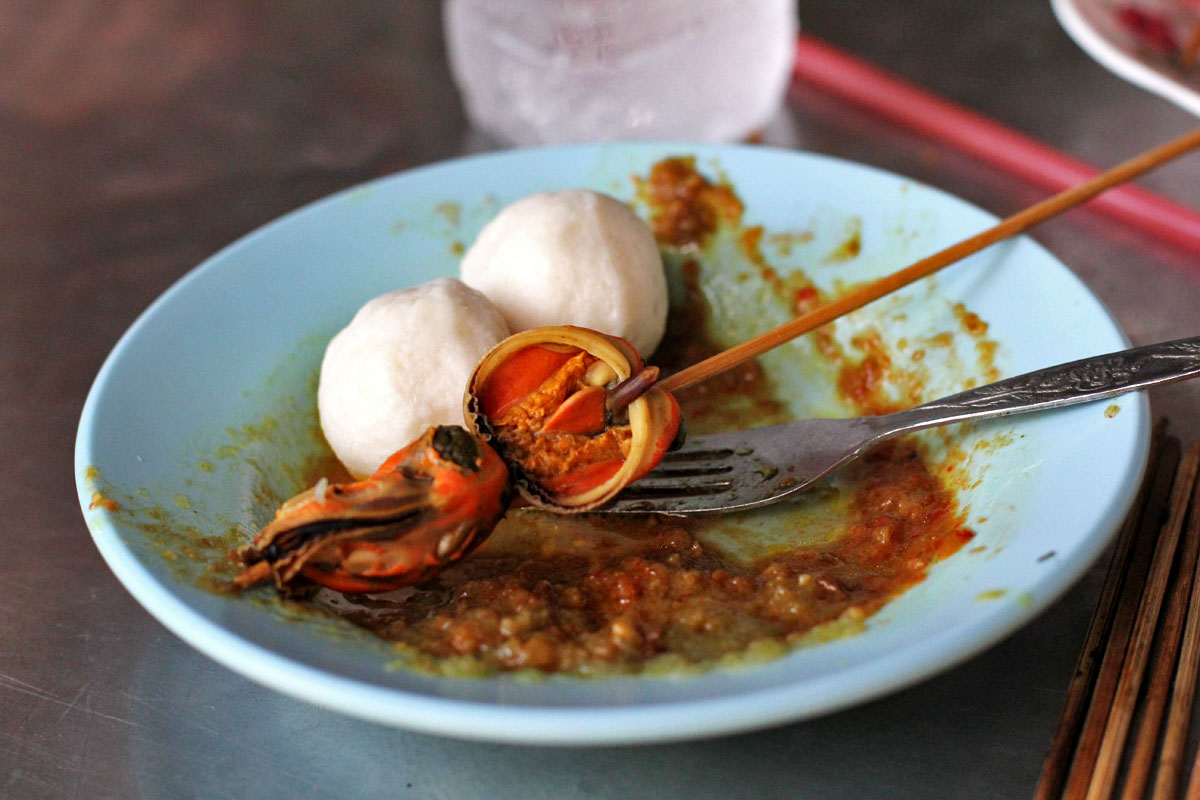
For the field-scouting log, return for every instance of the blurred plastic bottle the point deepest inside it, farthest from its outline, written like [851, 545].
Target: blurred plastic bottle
[533, 71]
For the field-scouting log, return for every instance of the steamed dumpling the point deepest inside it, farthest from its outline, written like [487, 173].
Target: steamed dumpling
[400, 366]
[573, 257]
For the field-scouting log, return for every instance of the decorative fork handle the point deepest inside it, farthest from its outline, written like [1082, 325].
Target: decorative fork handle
[1066, 384]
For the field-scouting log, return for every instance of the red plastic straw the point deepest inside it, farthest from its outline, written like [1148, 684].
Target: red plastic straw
[840, 74]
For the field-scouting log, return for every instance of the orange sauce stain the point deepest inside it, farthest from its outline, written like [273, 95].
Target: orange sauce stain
[101, 501]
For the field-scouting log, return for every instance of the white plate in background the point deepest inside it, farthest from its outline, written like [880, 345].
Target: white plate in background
[1093, 26]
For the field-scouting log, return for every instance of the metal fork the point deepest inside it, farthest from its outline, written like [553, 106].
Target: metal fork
[743, 469]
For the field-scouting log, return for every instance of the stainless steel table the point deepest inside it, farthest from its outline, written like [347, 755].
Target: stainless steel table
[136, 138]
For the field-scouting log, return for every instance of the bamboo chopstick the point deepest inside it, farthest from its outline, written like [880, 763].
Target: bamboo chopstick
[1166, 659]
[1094, 751]
[1011, 226]
[1077, 772]
[1108, 761]
[1170, 760]
[1152, 495]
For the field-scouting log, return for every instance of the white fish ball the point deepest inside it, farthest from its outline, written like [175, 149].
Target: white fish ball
[573, 257]
[400, 366]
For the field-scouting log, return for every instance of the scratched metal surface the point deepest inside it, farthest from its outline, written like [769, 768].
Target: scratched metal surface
[136, 138]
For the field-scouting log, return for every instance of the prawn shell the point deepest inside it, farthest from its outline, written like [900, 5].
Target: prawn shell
[653, 417]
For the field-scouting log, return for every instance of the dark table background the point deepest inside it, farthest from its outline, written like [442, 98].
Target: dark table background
[137, 138]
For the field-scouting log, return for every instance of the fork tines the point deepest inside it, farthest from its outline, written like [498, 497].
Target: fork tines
[685, 473]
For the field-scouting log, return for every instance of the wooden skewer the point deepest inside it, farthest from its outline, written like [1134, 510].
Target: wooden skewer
[1119, 718]
[1013, 225]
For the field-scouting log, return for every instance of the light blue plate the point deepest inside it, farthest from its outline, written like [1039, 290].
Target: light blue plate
[201, 414]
